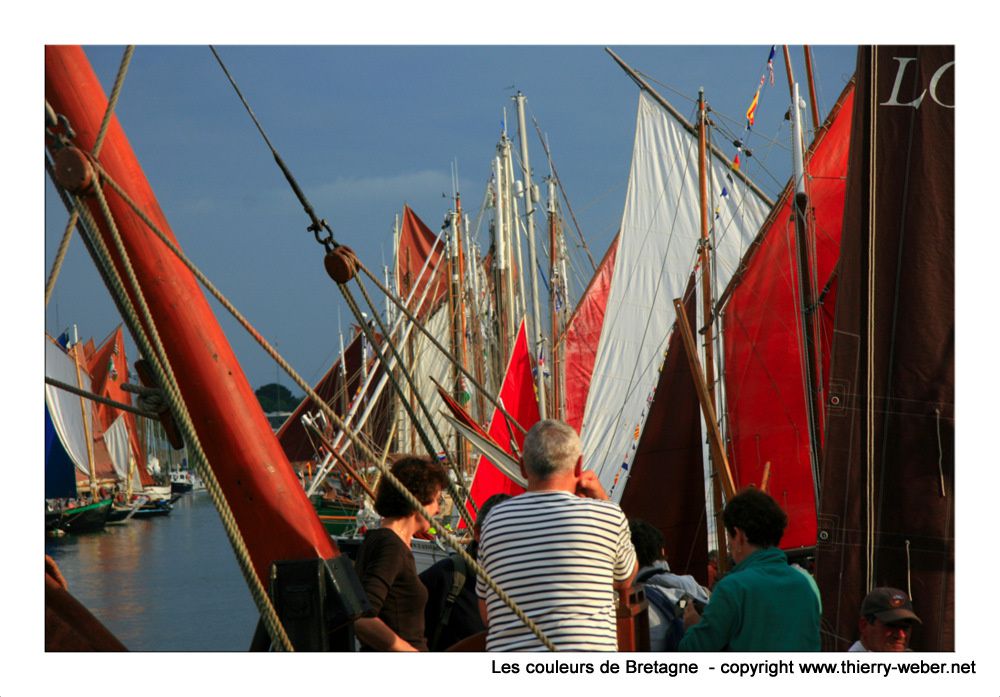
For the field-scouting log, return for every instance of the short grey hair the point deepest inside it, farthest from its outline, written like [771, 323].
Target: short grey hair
[551, 447]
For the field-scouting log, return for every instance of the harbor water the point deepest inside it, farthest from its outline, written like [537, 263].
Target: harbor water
[162, 584]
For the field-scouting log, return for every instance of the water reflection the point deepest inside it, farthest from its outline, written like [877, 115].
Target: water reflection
[162, 584]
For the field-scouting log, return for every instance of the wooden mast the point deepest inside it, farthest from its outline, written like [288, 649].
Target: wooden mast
[814, 108]
[88, 433]
[716, 454]
[807, 294]
[456, 309]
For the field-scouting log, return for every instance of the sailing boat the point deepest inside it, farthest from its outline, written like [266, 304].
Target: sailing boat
[76, 465]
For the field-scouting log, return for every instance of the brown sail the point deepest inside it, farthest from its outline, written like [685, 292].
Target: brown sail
[667, 484]
[886, 514]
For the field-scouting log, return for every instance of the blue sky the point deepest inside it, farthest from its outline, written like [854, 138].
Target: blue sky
[365, 129]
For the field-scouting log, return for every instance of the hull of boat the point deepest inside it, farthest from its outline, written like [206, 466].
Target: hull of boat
[154, 509]
[52, 520]
[85, 518]
[338, 518]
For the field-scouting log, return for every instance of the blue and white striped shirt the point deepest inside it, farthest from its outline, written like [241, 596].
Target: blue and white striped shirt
[556, 555]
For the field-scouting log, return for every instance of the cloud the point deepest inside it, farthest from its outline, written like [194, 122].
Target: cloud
[397, 188]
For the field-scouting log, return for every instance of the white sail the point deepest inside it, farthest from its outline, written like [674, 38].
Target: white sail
[64, 407]
[429, 362]
[117, 443]
[660, 233]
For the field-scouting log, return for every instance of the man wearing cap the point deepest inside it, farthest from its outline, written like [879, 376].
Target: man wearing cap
[886, 621]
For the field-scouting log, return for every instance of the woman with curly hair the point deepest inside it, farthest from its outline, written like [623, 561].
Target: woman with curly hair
[385, 562]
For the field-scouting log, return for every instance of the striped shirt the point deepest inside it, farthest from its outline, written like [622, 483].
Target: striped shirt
[556, 555]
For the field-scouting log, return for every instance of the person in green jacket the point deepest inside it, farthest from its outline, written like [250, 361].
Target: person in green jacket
[762, 604]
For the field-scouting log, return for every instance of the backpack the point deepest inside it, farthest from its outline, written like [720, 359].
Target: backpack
[457, 582]
[672, 616]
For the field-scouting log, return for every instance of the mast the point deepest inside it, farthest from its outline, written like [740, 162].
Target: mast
[705, 260]
[812, 88]
[456, 309]
[87, 431]
[807, 292]
[529, 213]
[501, 281]
[788, 71]
[520, 310]
[474, 318]
[558, 408]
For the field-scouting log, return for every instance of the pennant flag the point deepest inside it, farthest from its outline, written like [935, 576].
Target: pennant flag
[736, 161]
[753, 108]
[770, 65]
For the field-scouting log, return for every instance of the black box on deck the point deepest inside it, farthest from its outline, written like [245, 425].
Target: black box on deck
[316, 600]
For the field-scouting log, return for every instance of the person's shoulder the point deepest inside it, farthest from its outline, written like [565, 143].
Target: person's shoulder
[608, 505]
[382, 538]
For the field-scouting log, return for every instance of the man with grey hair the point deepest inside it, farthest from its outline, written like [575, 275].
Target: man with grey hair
[559, 550]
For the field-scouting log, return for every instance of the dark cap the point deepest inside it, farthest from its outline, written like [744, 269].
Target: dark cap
[888, 605]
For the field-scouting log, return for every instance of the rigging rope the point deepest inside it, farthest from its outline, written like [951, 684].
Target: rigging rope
[402, 306]
[937, 413]
[324, 407]
[318, 223]
[555, 175]
[870, 328]
[74, 216]
[431, 451]
[167, 382]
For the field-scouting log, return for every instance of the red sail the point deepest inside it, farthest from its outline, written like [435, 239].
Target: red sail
[887, 513]
[518, 396]
[292, 435]
[582, 335]
[761, 329]
[419, 249]
[108, 367]
[274, 516]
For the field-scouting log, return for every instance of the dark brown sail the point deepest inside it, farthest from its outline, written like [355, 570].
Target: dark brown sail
[886, 514]
[667, 484]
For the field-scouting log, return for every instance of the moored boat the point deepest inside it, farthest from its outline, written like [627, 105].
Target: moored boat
[88, 517]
